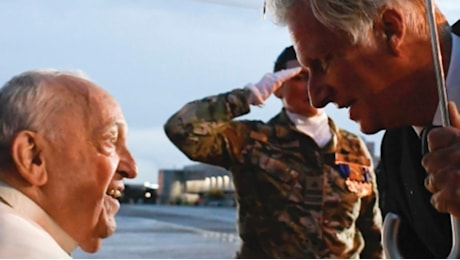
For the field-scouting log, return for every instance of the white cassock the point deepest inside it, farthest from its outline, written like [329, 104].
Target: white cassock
[20, 234]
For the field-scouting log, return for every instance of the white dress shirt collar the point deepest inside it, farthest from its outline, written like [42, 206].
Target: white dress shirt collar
[452, 79]
[452, 82]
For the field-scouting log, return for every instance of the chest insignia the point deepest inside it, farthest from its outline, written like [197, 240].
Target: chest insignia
[357, 178]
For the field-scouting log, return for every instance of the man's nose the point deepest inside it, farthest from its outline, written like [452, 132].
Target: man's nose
[127, 166]
[318, 92]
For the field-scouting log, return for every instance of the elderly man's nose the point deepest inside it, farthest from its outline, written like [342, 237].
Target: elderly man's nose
[319, 94]
[127, 166]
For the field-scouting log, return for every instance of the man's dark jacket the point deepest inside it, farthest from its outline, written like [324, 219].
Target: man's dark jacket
[424, 232]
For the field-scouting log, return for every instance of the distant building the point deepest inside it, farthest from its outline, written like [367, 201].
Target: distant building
[371, 148]
[138, 193]
[191, 184]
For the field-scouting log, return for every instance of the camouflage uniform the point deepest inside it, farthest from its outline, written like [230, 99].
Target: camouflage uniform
[294, 198]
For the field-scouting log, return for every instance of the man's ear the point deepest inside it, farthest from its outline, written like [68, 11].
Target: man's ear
[393, 29]
[26, 151]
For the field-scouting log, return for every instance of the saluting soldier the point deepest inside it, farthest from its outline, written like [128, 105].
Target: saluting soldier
[305, 188]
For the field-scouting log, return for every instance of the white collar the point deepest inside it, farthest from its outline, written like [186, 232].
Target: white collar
[317, 126]
[25, 207]
[452, 82]
[452, 79]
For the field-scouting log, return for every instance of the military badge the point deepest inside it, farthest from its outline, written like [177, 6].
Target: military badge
[357, 177]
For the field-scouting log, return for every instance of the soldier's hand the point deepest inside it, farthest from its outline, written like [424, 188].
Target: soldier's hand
[442, 164]
[269, 83]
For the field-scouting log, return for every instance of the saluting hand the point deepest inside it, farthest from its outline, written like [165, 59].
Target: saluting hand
[269, 83]
[442, 164]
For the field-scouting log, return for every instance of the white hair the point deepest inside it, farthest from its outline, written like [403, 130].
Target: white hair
[25, 104]
[355, 17]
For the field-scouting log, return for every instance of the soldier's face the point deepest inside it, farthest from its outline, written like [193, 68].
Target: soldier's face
[294, 93]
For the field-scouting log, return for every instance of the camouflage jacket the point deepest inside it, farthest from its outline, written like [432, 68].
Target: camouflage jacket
[295, 200]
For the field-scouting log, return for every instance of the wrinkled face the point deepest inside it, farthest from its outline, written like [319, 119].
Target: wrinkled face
[87, 160]
[376, 81]
[294, 93]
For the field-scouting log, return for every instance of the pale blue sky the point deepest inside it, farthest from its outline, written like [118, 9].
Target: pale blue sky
[153, 56]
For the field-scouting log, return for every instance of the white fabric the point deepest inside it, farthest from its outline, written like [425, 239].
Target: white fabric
[269, 83]
[452, 82]
[20, 234]
[452, 79]
[317, 127]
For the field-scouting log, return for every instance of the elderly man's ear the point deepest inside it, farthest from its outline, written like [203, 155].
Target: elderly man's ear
[393, 27]
[27, 154]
